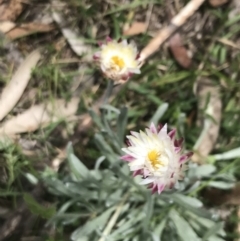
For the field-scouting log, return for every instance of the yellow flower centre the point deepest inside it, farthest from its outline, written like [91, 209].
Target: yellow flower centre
[153, 157]
[118, 61]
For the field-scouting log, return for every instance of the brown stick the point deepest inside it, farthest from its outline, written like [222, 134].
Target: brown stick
[166, 32]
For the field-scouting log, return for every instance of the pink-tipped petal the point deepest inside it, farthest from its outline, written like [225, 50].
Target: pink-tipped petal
[171, 185]
[160, 188]
[127, 158]
[125, 77]
[108, 39]
[153, 128]
[145, 173]
[96, 57]
[178, 143]
[138, 56]
[128, 143]
[130, 75]
[138, 172]
[185, 157]
[150, 185]
[153, 186]
[172, 133]
[154, 189]
[177, 149]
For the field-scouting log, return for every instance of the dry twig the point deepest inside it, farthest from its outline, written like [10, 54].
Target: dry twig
[166, 32]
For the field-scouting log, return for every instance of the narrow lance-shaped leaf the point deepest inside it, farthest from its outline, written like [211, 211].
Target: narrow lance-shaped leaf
[159, 113]
[77, 167]
[183, 228]
[213, 230]
[90, 226]
[234, 153]
[157, 232]
[183, 199]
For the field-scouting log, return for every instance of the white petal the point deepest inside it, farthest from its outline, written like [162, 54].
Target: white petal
[134, 70]
[135, 168]
[124, 42]
[147, 181]
[164, 129]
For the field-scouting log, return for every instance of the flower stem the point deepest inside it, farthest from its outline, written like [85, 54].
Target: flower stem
[108, 91]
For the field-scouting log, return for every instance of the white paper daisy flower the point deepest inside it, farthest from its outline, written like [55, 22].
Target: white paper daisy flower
[118, 60]
[157, 156]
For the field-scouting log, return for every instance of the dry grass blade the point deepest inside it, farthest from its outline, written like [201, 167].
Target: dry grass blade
[207, 92]
[27, 29]
[39, 116]
[14, 90]
[235, 6]
[229, 43]
[113, 219]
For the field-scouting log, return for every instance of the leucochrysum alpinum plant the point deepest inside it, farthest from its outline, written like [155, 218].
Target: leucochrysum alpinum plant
[154, 154]
[106, 201]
